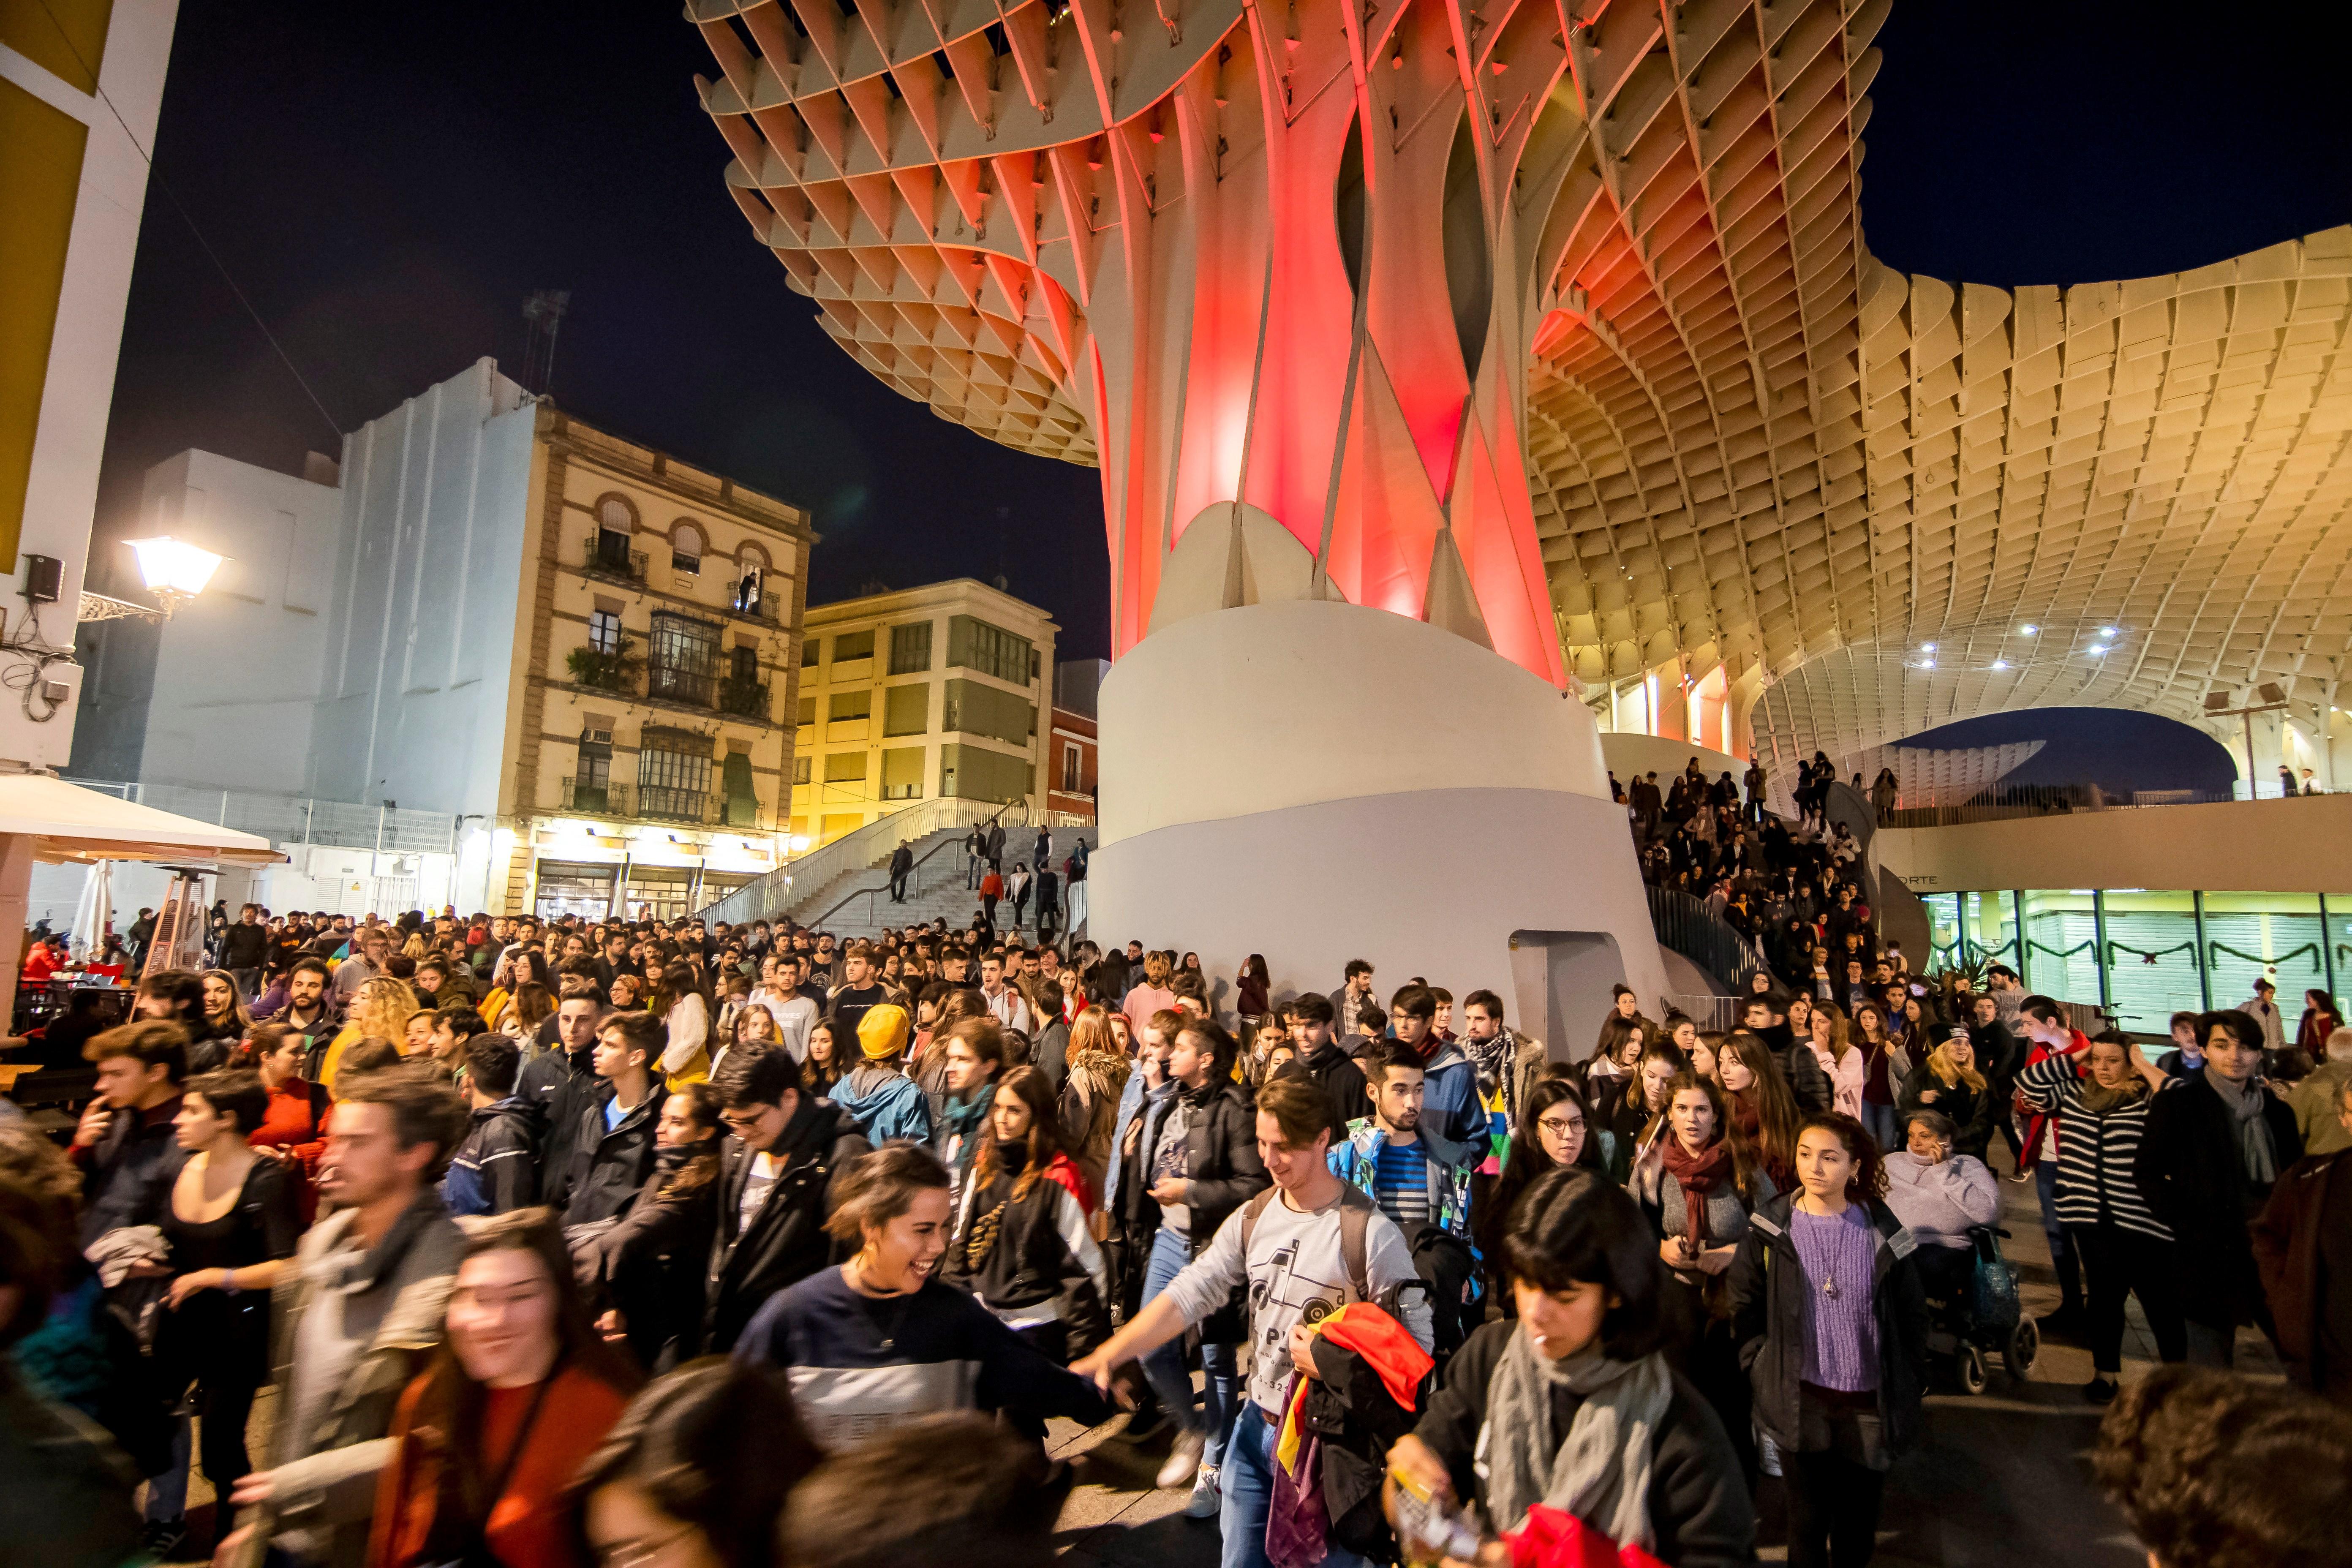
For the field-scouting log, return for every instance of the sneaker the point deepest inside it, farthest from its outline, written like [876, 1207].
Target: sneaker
[1183, 1459]
[164, 1540]
[2100, 1390]
[1205, 1495]
[1143, 1425]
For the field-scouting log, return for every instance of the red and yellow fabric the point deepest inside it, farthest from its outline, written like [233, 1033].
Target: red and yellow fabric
[1387, 1348]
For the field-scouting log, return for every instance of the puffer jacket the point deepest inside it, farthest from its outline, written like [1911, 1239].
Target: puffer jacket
[1768, 1292]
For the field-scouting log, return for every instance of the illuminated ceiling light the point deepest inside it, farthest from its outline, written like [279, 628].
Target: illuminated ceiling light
[2097, 649]
[2106, 631]
[2028, 631]
[2000, 664]
[1927, 663]
[1927, 648]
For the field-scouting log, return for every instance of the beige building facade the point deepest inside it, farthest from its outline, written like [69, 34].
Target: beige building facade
[937, 692]
[656, 657]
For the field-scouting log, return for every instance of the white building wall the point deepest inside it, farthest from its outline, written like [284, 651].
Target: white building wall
[242, 667]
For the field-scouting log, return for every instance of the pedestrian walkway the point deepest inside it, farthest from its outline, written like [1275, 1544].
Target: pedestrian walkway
[1999, 1479]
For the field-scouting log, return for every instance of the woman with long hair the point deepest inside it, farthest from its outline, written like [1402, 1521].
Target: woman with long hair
[1834, 1332]
[1022, 1237]
[531, 1005]
[1758, 1105]
[1607, 1071]
[1554, 1131]
[226, 1017]
[1885, 1063]
[678, 1002]
[1250, 995]
[676, 1485]
[522, 1390]
[1949, 1083]
[829, 1059]
[380, 1011]
[651, 1265]
[2321, 1018]
[1698, 1185]
[1846, 1064]
[1571, 1407]
[1633, 1121]
[1096, 1077]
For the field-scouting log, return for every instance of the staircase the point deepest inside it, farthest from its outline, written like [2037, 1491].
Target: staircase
[830, 895]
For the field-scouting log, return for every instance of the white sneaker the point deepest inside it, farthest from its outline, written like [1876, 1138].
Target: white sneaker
[1183, 1459]
[1205, 1495]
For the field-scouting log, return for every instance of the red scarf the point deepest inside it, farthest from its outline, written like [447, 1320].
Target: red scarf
[1699, 1175]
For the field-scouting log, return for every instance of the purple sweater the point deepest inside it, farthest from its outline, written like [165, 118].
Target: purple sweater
[1841, 1330]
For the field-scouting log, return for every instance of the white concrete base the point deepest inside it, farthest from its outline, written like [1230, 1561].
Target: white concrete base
[1319, 782]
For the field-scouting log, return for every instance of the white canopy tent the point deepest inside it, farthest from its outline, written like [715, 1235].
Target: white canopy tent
[70, 824]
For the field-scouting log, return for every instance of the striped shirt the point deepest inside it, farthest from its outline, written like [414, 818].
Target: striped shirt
[1400, 1185]
[2095, 1152]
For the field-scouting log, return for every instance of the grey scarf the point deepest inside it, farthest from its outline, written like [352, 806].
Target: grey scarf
[1600, 1470]
[2254, 1145]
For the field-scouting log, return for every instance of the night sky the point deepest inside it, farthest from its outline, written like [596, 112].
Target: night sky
[388, 182]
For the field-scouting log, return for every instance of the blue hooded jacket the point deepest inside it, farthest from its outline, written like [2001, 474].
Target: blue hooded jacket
[890, 1107]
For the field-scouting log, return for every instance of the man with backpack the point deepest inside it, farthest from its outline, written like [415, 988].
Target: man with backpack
[1299, 1251]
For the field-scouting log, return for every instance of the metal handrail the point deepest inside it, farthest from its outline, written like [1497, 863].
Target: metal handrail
[915, 888]
[1682, 922]
[769, 894]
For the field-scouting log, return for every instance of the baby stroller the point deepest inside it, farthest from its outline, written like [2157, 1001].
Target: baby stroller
[1985, 1315]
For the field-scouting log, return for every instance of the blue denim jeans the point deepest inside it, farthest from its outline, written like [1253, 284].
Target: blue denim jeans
[2062, 1246]
[1169, 1375]
[1247, 1483]
[1884, 1124]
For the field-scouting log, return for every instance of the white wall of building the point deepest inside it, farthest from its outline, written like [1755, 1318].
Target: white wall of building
[242, 667]
[428, 582]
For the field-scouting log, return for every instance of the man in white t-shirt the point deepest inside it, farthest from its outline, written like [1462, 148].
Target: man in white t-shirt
[794, 1013]
[1295, 1263]
[1007, 1006]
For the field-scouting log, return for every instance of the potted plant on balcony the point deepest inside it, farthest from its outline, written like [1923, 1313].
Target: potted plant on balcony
[746, 695]
[616, 670]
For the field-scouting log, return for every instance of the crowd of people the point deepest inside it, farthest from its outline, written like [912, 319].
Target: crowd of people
[631, 1242]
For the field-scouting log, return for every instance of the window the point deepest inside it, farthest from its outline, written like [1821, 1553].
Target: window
[845, 767]
[808, 711]
[902, 774]
[605, 631]
[988, 710]
[617, 516]
[742, 808]
[1033, 667]
[850, 705]
[686, 548]
[673, 773]
[906, 710]
[591, 786]
[684, 564]
[1070, 768]
[973, 644]
[743, 662]
[800, 769]
[681, 659]
[971, 772]
[910, 648]
[853, 644]
[810, 649]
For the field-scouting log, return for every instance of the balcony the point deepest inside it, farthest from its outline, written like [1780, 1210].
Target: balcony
[681, 684]
[596, 799]
[745, 698]
[611, 558]
[663, 802]
[616, 668]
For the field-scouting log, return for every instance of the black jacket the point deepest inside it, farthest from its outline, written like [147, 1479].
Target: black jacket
[245, 946]
[1222, 1163]
[1699, 1503]
[2190, 1174]
[650, 1266]
[1971, 1111]
[1343, 1085]
[785, 1241]
[608, 1165]
[131, 1170]
[561, 1084]
[1768, 1291]
[496, 1169]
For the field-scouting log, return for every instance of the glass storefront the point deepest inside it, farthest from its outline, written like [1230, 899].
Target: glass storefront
[566, 888]
[2149, 952]
[660, 892]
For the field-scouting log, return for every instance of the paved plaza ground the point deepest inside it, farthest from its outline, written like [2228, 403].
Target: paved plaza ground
[2000, 1478]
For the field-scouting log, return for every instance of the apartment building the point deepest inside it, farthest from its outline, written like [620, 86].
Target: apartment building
[938, 692]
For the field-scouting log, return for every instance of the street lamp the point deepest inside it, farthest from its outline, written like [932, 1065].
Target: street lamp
[174, 570]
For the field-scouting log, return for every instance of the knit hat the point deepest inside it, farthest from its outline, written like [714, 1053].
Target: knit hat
[882, 1033]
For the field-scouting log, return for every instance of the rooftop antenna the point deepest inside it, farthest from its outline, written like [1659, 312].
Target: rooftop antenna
[544, 312]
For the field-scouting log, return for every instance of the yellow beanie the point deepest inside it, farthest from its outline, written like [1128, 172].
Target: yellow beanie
[882, 1033]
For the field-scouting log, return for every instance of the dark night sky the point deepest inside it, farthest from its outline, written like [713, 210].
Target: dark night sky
[388, 182]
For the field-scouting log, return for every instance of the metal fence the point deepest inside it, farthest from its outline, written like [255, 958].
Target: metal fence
[1682, 922]
[297, 819]
[765, 898]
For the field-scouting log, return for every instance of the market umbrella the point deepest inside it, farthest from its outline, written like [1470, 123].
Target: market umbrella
[93, 912]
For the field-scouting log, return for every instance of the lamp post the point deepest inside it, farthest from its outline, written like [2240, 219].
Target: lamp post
[174, 570]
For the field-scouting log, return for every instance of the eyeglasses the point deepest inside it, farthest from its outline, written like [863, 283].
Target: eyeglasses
[1560, 1126]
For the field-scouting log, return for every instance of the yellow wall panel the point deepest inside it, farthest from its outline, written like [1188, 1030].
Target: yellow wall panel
[40, 172]
[65, 37]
